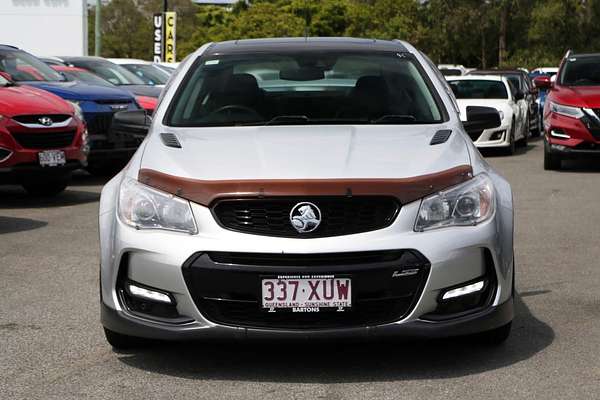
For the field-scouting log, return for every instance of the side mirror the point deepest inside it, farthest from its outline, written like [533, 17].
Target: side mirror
[542, 82]
[133, 123]
[519, 95]
[481, 118]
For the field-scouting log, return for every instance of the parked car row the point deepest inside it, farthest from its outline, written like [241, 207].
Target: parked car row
[56, 115]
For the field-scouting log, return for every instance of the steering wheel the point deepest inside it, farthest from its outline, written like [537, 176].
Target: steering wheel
[231, 107]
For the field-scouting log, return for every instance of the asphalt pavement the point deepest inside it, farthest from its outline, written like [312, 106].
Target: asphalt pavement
[52, 345]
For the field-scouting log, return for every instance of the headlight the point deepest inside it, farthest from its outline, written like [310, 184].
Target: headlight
[76, 109]
[567, 111]
[469, 203]
[143, 207]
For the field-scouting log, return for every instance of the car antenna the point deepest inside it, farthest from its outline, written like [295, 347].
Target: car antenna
[305, 19]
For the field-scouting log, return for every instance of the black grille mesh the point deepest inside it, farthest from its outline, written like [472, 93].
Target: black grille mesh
[35, 119]
[226, 286]
[45, 140]
[100, 124]
[340, 215]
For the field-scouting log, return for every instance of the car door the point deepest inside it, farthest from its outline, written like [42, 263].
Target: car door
[521, 110]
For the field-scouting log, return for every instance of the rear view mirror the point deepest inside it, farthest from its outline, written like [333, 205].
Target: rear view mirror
[302, 74]
[542, 82]
[133, 123]
[481, 118]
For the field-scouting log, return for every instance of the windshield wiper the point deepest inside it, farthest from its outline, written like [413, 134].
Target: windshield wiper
[288, 119]
[395, 118]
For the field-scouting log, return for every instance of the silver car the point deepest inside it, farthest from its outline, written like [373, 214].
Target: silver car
[308, 187]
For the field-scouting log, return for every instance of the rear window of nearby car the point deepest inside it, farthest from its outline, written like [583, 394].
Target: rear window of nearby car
[478, 89]
[451, 72]
[304, 88]
[113, 73]
[581, 71]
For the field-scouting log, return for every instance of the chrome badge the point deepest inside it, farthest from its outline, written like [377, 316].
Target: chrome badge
[46, 121]
[305, 217]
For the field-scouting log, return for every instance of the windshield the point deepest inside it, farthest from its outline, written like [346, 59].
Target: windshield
[25, 67]
[87, 77]
[303, 88]
[478, 89]
[149, 74]
[583, 71]
[115, 74]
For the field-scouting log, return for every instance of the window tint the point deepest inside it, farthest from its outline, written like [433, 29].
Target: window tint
[478, 89]
[25, 67]
[583, 71]
[113, 73]
[301, 88]
[148, 73]
[87, 77]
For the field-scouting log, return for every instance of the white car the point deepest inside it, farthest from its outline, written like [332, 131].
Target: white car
[452, 69]
[337, 196]
[497, 92]
[145, 70]
[550, 71]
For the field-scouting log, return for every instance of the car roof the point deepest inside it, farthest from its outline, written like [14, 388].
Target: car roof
[84, 58]
[8, 47]
[304, 43]
[498, 78]
[497, 72]
[583, 55]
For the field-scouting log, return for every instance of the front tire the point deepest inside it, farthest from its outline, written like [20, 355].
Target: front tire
[537, 131]
[552, 162]
[510, 150]
[50, 186]
[123, 342]
[523, 142]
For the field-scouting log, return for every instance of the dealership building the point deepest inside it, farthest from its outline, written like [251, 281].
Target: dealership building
[45, 27]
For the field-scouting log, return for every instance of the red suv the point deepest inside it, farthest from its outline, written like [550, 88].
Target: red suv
[42, 139]
[572, 110]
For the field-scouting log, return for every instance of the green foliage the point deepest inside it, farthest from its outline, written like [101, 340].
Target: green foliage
[468, 32]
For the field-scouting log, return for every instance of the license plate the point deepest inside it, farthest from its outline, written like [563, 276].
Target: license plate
[52, 158]
[306, 293]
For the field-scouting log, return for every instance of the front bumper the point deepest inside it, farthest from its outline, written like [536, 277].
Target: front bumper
[490, 318]
[495, 137]
[455, 255]
[571, 138]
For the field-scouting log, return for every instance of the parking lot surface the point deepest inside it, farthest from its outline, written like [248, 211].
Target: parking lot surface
[52, 345]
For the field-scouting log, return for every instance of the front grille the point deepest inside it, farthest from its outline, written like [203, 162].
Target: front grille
[35, 119]
[99, 124]
[45, 140]
[227, 291]
[339, 215]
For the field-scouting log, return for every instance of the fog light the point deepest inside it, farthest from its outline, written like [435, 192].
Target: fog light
[4, 154]
[148, 294]
[497, 135]
[559, 134]
[464, 290]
